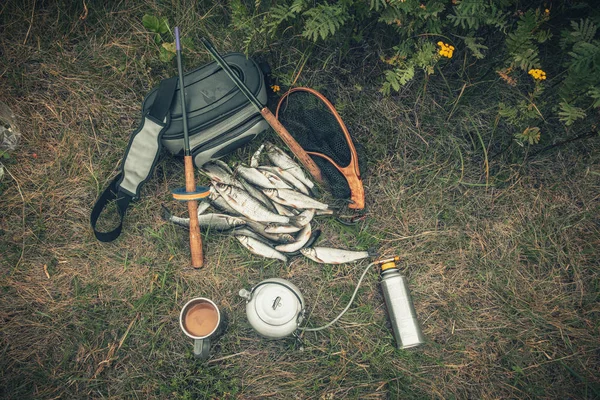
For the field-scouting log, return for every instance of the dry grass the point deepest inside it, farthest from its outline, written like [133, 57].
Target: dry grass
[502, 260]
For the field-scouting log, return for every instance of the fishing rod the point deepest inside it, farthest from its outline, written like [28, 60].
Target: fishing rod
[191, 193]
[298, 151]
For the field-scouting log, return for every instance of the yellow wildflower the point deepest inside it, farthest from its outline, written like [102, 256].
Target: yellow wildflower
[547, 12]
[445, 50]
[537, 74]
[423, 6]
[275, 88]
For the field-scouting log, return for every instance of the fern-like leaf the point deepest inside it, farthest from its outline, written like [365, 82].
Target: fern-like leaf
[569, 114]
[594, 93]
[476, 48]
[378, 5]
[585, 56]
[584, 31]
[324, 20]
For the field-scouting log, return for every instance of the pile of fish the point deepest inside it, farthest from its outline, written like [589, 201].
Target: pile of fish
[268, 209]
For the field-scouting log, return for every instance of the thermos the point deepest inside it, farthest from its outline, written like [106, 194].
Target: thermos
[400, 308]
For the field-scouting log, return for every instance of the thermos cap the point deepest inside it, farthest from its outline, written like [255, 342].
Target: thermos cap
[388, 265]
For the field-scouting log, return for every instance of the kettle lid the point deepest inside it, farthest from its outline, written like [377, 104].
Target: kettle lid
[276, 304]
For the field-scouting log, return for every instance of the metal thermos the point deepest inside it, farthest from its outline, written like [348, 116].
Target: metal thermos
[400, 308]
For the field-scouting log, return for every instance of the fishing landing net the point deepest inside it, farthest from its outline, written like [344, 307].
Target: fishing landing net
[312, 120]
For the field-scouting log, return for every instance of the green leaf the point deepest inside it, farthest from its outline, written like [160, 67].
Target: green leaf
[151, 23]
[165, 55]
[569, 113]
[471, 43]
[163, 26]
[594, 93]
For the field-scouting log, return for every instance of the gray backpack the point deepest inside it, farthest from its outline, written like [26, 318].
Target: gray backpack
[220, 120]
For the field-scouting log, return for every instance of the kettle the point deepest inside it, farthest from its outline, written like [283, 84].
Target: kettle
[274, 307]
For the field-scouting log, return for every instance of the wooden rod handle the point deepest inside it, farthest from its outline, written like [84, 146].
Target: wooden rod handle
[195, 237]
[298, 151]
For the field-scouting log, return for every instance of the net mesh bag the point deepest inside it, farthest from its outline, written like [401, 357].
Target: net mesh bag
[307, 117]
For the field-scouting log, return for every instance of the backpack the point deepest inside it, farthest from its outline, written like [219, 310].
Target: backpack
[220, 120]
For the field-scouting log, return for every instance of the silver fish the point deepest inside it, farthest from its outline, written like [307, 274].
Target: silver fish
[218, 174]
[254, 176]
[248, 206]
[306, 216]
[254, 161]
[203, 206]
[250, 233]
[282, 210]
[328, 255]
[275, 180]
[219, 222]
[294, 199]
[259, 229]
[282, 160]
[288, 177]
[324, 212]
[258, 195]
[218, 202]
[301, 240]
[223, 165]
[276, 228]
[260, 248]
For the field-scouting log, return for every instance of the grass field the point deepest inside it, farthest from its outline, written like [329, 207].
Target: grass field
[500, 247]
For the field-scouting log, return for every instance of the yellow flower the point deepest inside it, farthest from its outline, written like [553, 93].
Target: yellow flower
[547, 11]
[275, 88]
[445, 50]
[537, 74]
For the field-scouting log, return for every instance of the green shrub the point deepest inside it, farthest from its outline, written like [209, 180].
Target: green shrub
[550, 57]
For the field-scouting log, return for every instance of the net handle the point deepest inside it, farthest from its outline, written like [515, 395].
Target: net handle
[351, 172]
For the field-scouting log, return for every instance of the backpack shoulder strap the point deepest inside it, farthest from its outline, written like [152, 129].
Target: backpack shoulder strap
[141, 156]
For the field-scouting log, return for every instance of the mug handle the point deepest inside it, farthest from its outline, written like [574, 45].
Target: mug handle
[201, 348]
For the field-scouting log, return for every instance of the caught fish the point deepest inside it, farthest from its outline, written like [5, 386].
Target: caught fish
[248, 206]
[275, 179]
[294, 199]
[254, 176]
[259, 229]
[258, 195]
[219, 222]
[328, 255]
[283, 161]
[218, 202]
[260, 248]
[306, 216]
[250, 233]
[301, 240]
[218, 174]
[254, 161]
[276, 228]
[324, 212]
[282, 210]
[288, 177]
[203, 206]
[223, 166]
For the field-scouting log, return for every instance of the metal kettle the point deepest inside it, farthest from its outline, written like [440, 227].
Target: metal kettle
[274, 307]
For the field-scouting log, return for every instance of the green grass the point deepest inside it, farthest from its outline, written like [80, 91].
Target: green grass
[500, 249]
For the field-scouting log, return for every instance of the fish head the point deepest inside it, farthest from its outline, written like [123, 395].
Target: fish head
[307, 251]
[234, 221]
[287, 238]
[270, 192]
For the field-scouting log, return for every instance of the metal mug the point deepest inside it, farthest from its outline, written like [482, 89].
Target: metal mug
[200, 319]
